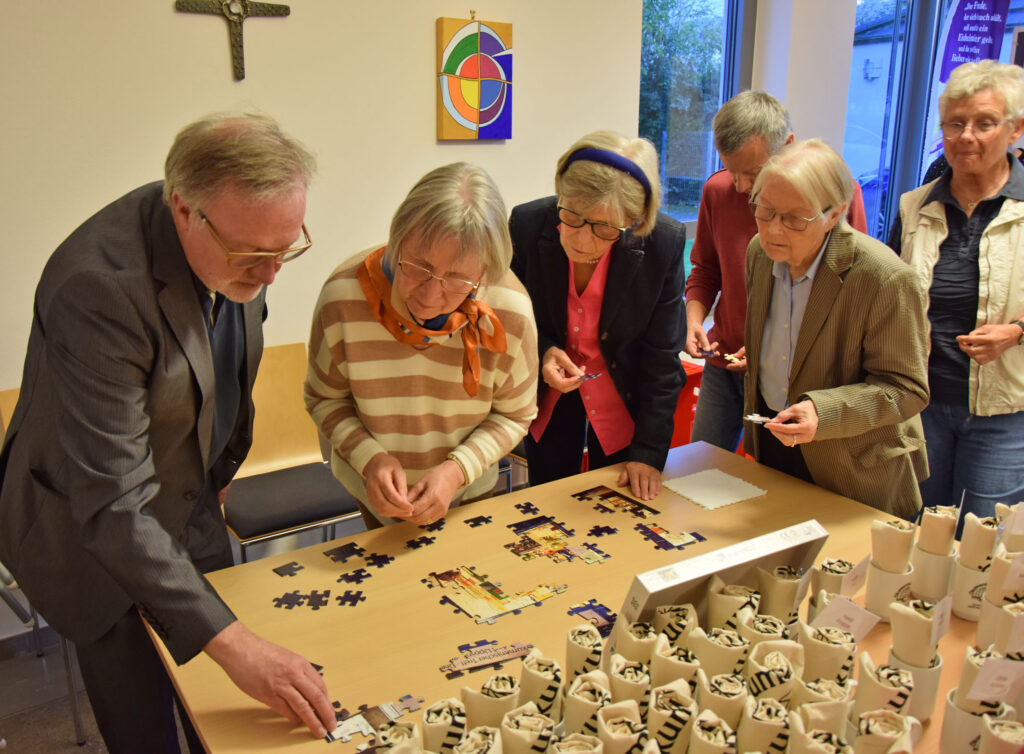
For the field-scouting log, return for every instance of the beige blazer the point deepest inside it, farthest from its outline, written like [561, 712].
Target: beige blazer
[861, 358]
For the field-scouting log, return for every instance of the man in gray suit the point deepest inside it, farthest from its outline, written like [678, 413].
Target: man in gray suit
[134, 414]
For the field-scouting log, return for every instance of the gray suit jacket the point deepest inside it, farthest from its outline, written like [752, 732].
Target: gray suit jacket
[861, 357]
[104, 476]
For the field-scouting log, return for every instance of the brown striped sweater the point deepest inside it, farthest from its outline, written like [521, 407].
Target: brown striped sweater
[368, 393]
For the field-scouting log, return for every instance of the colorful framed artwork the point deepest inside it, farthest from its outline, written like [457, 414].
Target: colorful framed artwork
[474, 79]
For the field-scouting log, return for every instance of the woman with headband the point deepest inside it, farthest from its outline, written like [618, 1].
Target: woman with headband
[605, 271]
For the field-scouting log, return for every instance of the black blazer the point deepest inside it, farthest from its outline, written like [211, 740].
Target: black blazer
[642, 324]
[106, 468]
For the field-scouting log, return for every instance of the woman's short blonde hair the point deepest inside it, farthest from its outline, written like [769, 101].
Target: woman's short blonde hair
[246, 151]
[584, 183]
[1002, 78]
[814, 170]
[458, 201]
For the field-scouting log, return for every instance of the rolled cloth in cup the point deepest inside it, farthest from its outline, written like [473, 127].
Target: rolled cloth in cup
[635, 641]
[807, 735]
[524, 729]
[670, 716]
[828, 651]
[884, 687]
[1001, 736]
[395, 735]
[773, 667]
[938, 526]
[444, 723]
[711, 735]
[997, 592]
[577, 743]
[675, 620]
[486, 707]
[620, 727]
[891, 543]
[884, 732]
[1013, 530]
[1004, 629]
[480, 740]
[669, 662]
[583, 647]
[758, 628]
[977, 542]
[779, 588]
[973, 660]
[764, 726]
[726, 600]
[725, 694]
[719, 650]
[587, 694]
[540, 682]
[829, 575]
[629, 679]
[912, 632]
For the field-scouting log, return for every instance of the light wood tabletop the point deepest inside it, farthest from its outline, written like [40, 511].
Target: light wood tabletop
[392, 642]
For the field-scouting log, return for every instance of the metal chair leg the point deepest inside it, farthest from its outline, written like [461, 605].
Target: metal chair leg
[76, 713]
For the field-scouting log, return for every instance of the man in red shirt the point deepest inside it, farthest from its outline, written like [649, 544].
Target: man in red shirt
[749, 129]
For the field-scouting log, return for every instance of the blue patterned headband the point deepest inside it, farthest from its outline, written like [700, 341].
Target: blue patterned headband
[611, 159]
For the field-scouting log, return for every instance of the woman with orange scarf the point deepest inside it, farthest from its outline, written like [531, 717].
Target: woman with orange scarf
[423, 354]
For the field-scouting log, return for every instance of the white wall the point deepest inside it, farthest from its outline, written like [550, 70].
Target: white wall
[93, 93]
[802, 55]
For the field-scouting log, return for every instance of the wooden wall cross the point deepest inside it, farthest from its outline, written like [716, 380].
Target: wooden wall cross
[235, 11]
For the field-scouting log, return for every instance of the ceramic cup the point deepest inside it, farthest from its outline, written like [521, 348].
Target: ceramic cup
[885, 587]
[968, 591]
[926, 686]
[961, 731]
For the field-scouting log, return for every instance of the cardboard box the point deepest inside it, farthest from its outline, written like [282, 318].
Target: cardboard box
[686, 581]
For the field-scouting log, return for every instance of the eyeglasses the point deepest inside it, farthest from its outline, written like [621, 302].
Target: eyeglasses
[604, 231]
[419, 274]
[793, 222]
[980, 129]
[246, 259]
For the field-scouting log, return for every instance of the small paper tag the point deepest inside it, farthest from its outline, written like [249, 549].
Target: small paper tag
[1015, 644]
[854, 580]
[849, 616]
[1014, 581]
[998, 679]
[940, 618]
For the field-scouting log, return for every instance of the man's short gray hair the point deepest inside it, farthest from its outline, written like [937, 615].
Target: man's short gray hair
[248, 152]
[458, 201]
[748, 115]
[1003, 79]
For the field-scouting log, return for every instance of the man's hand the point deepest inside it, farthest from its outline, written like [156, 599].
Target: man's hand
[386, 486]
[559, 372]
[795, 424]
[433, 493]
[644, 481]
[697, 344]
[738, 362]
[988, 342]
[275, 676]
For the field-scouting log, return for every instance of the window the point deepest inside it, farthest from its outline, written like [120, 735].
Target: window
[681, 76]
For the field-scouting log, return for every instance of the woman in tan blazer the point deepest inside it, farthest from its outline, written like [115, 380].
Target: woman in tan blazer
[836, 339]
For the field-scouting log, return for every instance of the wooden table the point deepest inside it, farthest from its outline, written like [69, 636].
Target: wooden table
[394, 642]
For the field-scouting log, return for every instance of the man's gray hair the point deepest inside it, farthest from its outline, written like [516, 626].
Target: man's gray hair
[248, 152]
[459, 201]
[748, 115]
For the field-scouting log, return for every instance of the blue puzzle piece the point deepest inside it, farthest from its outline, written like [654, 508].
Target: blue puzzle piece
[415, 544]
[358, 576]
[344, 552]
[478, 521]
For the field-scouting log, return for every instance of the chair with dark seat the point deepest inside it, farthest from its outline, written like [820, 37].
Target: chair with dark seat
[285, 486]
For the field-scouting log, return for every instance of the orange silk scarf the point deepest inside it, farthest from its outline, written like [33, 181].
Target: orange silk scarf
[377, 289]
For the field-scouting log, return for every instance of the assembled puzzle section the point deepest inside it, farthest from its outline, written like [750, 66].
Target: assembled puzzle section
[483, 600]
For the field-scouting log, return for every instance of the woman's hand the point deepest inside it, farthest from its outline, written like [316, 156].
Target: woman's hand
[796, 424]
[988, 342]
[738, 362]
[433, 493]
[559, 372]
[386, 486]
[644, 481]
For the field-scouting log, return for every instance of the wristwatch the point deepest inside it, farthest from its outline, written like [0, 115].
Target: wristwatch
[1020, 324]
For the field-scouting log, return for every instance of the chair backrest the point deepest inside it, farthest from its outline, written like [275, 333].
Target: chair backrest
[283, 433]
